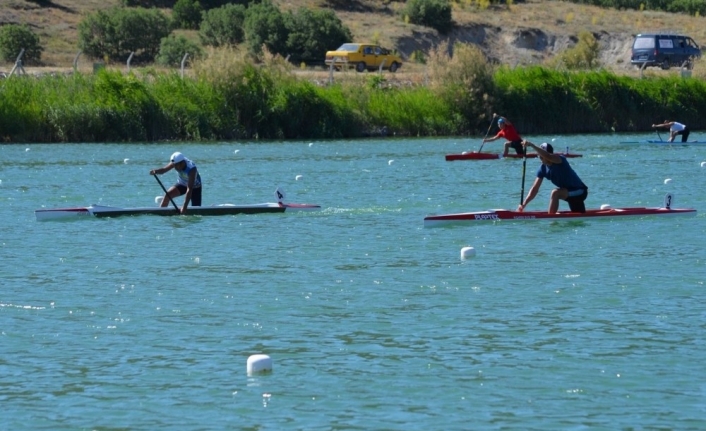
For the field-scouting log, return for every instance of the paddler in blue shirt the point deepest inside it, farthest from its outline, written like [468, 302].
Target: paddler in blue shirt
[557, 170]
[188, 181]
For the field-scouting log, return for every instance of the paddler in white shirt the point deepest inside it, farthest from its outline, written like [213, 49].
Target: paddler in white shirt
[674, 130]
[188, 181]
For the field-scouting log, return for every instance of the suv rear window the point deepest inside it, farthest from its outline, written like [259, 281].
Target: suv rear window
[644, 43]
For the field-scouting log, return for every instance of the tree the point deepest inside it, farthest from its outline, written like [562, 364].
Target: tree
[13, 38]
[265, 26]
[430, 13]
[313, 32]
[117, 32]
[223, 26]
[187, 14]
[174, 47]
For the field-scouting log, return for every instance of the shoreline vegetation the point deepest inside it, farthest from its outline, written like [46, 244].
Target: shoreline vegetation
[226, 96]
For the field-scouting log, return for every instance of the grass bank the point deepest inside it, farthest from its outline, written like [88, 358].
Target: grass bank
[229, 98]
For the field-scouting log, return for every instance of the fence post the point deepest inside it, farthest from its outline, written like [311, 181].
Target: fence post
[129, 59]
[76, 61]
[183, 62]
[382, 65]
[18, 64]
[330, 73]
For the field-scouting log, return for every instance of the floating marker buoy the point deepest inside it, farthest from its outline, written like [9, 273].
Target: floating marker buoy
[259, 364]
[605, 206]
[467, 252]
[236, 151]
[126, 160]
[298, 177]
[158, 199]
[703, 164]
[311, 143]
[464, 153]
[553, 139]
[26, 149]
[389, 162]
[667, 181]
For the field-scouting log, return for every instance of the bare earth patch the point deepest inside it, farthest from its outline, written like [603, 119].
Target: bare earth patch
[520, 34]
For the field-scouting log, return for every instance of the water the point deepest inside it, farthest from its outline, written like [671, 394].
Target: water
[372, 321]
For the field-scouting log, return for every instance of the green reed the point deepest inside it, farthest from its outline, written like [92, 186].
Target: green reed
[236, 99]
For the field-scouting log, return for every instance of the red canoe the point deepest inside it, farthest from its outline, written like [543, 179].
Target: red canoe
[474, 155]
[495, 215]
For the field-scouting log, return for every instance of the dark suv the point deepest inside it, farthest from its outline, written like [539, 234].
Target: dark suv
[664, 50]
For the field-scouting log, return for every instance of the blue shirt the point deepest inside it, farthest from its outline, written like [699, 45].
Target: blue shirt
[561, 175]
[183, 176]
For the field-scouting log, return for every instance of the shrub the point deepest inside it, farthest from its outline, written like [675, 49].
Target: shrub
[464, 80]
[13, 38]
[223, 26]
[265, 26]
[119, 31]
[430, 13]
[187, 14]
[174, 47]
[313, 32]
[148, 3]
[584, 55]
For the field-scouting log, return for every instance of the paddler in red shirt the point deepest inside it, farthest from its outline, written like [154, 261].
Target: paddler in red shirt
[507, 131]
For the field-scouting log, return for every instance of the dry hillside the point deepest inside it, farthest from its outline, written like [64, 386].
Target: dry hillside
[523, 33]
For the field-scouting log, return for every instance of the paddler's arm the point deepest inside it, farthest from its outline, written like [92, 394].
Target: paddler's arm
[189, 188]
[491, 139]
[530, 194]
[547, 155]
[160, 171]
[665, 124]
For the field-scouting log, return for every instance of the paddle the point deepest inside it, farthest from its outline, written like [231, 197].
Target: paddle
[486, 133]
[166, 193]
[524, 169]
[660, 136]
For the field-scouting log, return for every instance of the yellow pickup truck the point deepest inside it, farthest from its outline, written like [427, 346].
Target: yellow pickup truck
[363, 56]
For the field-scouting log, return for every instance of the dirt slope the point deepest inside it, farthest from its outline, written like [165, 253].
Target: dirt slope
[519, 34]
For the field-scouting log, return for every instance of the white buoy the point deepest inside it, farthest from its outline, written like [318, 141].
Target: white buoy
[126, 160]
[259, 364]
[298, 177]
[703, 164]
[667, 181]
[464, 153]
[553, 139]
[389, 162]
[605, 206]
[158, 199]
[311, 143]
[26, 149]
[236, 151]
[467, 252]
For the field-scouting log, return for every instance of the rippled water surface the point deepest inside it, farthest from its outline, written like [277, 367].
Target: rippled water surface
[372, 320]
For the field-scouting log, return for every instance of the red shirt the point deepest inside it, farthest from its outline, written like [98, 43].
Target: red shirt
[510, 133]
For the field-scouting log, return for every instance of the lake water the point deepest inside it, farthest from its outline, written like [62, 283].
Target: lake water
[372, 321]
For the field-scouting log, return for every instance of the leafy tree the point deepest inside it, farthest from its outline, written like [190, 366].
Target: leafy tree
[213, 4]
[117, 32]
[430, 13]
[313, 32]
[265, 26]
[13, 38]
[174, 47]
[187, 14]
[148, 3]
[223, 26]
